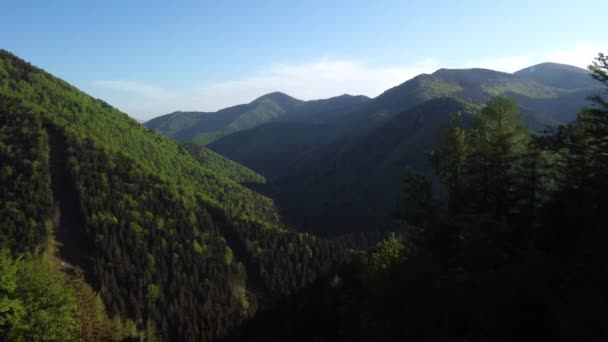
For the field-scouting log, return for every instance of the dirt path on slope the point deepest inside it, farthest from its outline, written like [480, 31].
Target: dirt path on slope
[74, 247]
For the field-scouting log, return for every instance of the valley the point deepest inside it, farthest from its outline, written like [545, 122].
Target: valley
[459, 205]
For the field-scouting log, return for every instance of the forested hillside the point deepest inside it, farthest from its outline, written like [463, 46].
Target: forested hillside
[100, 204]
[223, 166]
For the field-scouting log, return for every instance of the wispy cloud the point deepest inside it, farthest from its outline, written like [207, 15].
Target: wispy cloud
[140, 100]
[305, 81]
[313, 80]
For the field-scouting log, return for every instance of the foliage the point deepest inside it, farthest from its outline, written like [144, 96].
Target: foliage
[26, 207]
[37, 302]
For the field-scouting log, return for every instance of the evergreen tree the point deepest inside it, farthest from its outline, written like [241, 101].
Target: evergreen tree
[416, 205]
[497, 141]
[449, 160]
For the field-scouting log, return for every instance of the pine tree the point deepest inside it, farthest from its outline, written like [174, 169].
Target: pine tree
[498, 139]
[449, 160]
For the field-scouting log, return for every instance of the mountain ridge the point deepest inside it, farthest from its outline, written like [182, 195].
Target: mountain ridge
[205, 127]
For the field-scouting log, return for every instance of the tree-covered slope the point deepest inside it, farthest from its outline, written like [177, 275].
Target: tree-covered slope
[353, 186]
[181, 251]
[276, 149]
[85, 118]
[222, 165]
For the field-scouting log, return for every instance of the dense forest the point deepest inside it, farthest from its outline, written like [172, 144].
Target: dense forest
[110, 213]
[110, 231]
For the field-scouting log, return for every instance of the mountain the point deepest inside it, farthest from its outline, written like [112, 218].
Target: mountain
[573, 85]
[543, 103]
[138, 236]
[203, 128]
[557, 75]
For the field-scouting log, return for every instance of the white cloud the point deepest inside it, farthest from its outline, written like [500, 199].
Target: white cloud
[314, 80]
[305, 81]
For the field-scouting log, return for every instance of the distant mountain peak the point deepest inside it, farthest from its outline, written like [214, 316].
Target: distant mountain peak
[461, 70]
[276, 96]
[472, 74]
[350, 96]
[558, 75]
[552, 66]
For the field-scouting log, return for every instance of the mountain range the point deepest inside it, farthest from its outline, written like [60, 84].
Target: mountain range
[345, 154]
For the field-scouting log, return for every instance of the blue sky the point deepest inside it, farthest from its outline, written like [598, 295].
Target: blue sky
[152, 57]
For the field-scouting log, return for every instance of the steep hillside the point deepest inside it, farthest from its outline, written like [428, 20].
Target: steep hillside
[275, 149]
[181, 251]
[222, 165]
[355, 185]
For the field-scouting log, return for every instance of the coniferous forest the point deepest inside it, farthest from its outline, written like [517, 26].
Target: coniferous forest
[466, 205]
